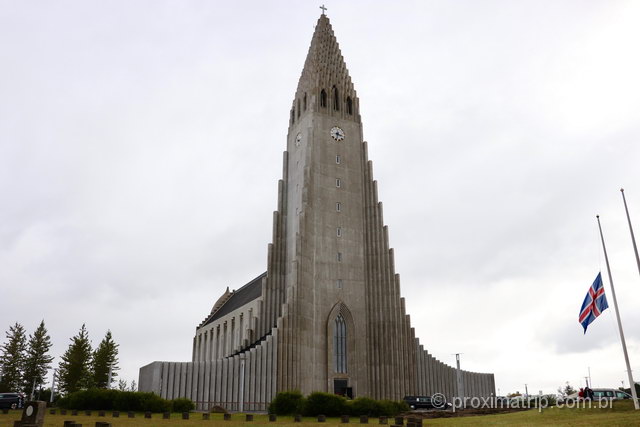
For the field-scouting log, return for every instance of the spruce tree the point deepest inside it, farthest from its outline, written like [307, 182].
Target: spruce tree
[37, 362]
[12, 360]
[104, 356]
[74, 370]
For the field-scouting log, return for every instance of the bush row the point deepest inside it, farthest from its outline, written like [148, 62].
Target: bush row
[332, 405]
[116, 400]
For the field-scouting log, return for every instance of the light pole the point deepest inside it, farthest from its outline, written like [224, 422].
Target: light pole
[110, 375]
[53, 385]
[459, 383]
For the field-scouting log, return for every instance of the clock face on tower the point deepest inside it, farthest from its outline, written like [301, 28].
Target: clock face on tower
[337, 133]
[298, 139]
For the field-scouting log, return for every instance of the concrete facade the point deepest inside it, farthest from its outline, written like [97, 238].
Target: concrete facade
[328, 314]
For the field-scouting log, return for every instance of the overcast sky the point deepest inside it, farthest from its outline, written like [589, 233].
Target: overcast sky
[141, 143]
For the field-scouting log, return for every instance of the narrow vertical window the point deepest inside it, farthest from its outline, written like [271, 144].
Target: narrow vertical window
[336, 99]
[339, 232]
[218, 346]
[304, 101]
[340, 345]
[338, 182]
[338, 207]
[323, 98]
[298, 108]
[337, 160]
[225, 340]
[233, 334]
[339, 283]
[349, 106]
[293, 115]
[339, 256]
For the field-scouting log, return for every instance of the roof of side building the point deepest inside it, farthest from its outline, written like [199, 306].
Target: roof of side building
[238, 298]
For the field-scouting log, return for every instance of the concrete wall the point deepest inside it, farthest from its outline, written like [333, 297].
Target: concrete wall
[434, 376]
[244, 382]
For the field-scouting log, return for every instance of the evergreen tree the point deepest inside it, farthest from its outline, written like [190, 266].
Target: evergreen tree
[566, 390]
[12, 360]
[74, 370]
[37, 361]
[104, 356]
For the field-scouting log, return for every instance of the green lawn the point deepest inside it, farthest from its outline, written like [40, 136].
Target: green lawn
[622, 414]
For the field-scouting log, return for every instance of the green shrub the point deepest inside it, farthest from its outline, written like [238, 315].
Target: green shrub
[332, 405]
[394, 407]
[89, 399]
[287, 403]
[376, 408]
[152, 402]
[108, 400]
[127, 401]
[327, 404]
[366, 406]
[182, 405]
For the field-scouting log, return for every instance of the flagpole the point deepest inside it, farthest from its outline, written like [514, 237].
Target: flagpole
[615, 304]
[633, 238]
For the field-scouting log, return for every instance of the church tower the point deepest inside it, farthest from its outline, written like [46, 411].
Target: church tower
[342, 302]
[327, 314]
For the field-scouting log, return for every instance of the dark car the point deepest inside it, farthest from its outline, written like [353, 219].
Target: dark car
[425, 402]
[11, 400]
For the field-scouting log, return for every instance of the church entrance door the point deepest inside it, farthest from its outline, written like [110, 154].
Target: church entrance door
[341, 387]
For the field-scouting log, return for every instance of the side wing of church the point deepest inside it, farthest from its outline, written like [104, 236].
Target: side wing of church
[327, 315]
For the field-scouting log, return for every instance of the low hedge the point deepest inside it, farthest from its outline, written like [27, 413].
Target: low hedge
[328, 404]
[376, 408]
[332, 405]
[287, 403]
[182, 404]
[116, 400]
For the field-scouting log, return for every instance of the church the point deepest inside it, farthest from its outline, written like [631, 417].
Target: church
[327, 315]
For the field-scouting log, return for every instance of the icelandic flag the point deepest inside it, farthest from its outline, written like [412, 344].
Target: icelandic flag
[594, 303]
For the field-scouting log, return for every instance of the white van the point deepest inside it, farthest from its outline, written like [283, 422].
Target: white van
[609, 393]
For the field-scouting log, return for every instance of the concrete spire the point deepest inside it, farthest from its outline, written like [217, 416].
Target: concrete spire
[324, 70]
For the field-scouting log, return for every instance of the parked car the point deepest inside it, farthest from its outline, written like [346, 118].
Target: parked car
[11, 400]
[598, 394]
[609, 393]
[425, 402]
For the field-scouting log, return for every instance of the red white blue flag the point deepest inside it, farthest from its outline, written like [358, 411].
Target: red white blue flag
[594, 303]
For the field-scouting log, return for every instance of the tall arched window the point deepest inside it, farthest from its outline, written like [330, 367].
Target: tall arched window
[349, 106]
[298, 108]
[304, 101]
[336, 99]
[340, 345]
[293, 115]
[323, 98]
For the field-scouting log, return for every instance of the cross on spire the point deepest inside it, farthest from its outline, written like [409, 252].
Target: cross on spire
[323, 9]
